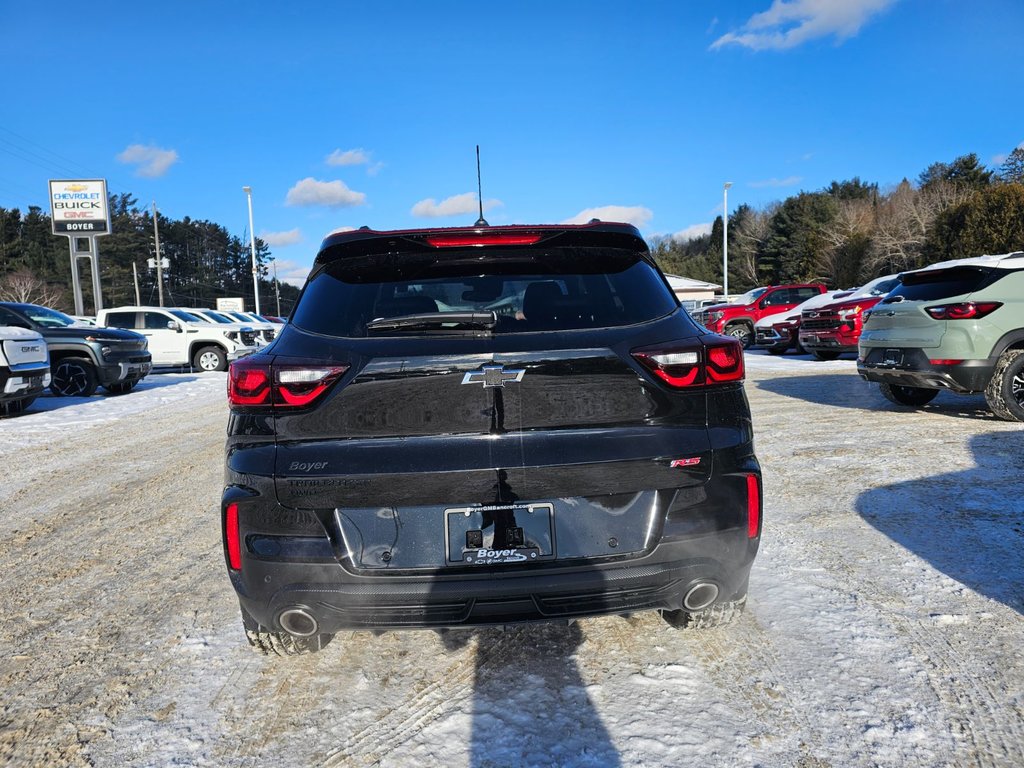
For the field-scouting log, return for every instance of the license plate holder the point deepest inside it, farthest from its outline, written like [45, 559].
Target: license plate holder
[499, 534]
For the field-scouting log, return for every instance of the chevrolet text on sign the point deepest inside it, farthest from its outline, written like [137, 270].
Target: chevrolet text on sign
[79, 207]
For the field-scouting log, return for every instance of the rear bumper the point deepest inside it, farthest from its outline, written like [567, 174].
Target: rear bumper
[341, 601]
[966, 377]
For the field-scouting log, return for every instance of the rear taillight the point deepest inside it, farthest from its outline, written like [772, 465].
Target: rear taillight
[692, 364]
[965, 310]
[753, 507]
[255, 383]
[231, 538]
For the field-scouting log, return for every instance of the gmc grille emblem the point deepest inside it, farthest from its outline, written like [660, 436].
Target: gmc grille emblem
[493, 376]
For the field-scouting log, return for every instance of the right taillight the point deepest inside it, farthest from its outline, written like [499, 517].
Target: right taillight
[256, 383]
[964, 310]
[753, 507]
[693, 364]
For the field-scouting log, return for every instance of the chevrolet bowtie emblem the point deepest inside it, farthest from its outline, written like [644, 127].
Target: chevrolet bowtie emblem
[493, 376]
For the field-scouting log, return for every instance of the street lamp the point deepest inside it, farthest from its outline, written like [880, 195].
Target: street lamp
[725, 239]
[252, 247]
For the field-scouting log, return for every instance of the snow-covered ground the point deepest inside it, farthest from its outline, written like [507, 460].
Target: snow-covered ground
[884, 626]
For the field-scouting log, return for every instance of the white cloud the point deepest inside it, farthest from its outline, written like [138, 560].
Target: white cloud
[456, 205]
[636, 215]
[290, 237]
[1001, 158]
[692, 232]
[789, 181]
[348, 157]
[339, 230]
[333, 194]
[789, 23]
[150, 162]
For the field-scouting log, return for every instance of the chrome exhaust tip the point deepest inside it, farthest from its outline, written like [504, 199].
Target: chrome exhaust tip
[700, 596]
[298, 622]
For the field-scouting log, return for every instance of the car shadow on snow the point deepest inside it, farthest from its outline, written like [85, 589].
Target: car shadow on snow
[530, 704]
[853, 392]
[968, 524]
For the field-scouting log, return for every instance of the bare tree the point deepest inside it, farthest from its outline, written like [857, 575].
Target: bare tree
[25, 288]
[904, 218]
[846, 237]
[749, 236]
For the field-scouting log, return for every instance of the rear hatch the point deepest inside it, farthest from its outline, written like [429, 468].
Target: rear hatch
[902, 320]
[504, 389]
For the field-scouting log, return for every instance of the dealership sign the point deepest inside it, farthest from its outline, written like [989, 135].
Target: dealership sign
[79, 207]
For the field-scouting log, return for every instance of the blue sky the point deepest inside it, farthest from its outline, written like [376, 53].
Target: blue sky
[341, 114]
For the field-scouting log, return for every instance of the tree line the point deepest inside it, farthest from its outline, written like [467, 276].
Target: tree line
[206, 262]
[851, 231]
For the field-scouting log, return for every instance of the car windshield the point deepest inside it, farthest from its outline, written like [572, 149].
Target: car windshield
[188, 317]
[525, 290]
[749, 297]
[48, 318]
[877, 287]
[217, 317]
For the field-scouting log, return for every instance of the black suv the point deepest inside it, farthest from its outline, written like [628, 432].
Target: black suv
[484, 426]
[83, 357]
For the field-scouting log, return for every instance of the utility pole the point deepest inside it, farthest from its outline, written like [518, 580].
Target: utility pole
[252, 246]
[135, 274]
[277, 289]
[159, 261]
[725, 239]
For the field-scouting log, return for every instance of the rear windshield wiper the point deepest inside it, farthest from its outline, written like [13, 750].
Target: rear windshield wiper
[434, 320]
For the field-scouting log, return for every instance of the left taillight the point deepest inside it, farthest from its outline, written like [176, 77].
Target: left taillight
[694, 364]
[255, 383]
[964, 310]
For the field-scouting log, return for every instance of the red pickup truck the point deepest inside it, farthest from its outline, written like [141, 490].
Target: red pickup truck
[829, 331]
[737, 317]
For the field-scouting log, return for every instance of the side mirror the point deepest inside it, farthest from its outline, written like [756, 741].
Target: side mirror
[171, 325]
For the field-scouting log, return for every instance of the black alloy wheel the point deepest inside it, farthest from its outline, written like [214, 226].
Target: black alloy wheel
[74, 377]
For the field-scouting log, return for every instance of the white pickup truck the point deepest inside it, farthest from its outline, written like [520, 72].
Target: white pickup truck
[24, 368]
[177, 337]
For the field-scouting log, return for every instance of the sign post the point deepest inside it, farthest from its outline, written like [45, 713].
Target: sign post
[79, 211]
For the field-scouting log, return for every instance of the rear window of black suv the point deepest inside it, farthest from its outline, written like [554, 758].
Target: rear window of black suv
[526, 290]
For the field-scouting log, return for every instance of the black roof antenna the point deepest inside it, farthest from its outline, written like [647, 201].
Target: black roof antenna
[481, 222]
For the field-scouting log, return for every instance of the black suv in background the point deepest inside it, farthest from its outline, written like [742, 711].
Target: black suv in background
[485, 426]
[82, 357]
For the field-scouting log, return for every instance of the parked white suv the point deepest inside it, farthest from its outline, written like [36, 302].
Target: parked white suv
[24, 368]
[178, 337]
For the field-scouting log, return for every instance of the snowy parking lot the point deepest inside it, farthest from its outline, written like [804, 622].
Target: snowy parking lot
[884, 625]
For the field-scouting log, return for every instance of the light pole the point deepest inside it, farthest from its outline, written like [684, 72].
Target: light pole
[725, 239]
[252, 247]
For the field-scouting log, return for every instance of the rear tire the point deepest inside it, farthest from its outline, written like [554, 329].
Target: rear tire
[210, 359]
[267, 642]
[914, 397]
[1005, 391]
[825, 354]
[717, 615]
[74, 377]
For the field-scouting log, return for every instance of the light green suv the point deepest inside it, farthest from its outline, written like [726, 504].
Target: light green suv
[956, 325]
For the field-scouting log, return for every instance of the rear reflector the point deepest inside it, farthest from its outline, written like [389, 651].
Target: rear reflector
[254, 382]
[945, 362]
[692, 364]
[231, 538]
[474, 239]
[753, 507]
